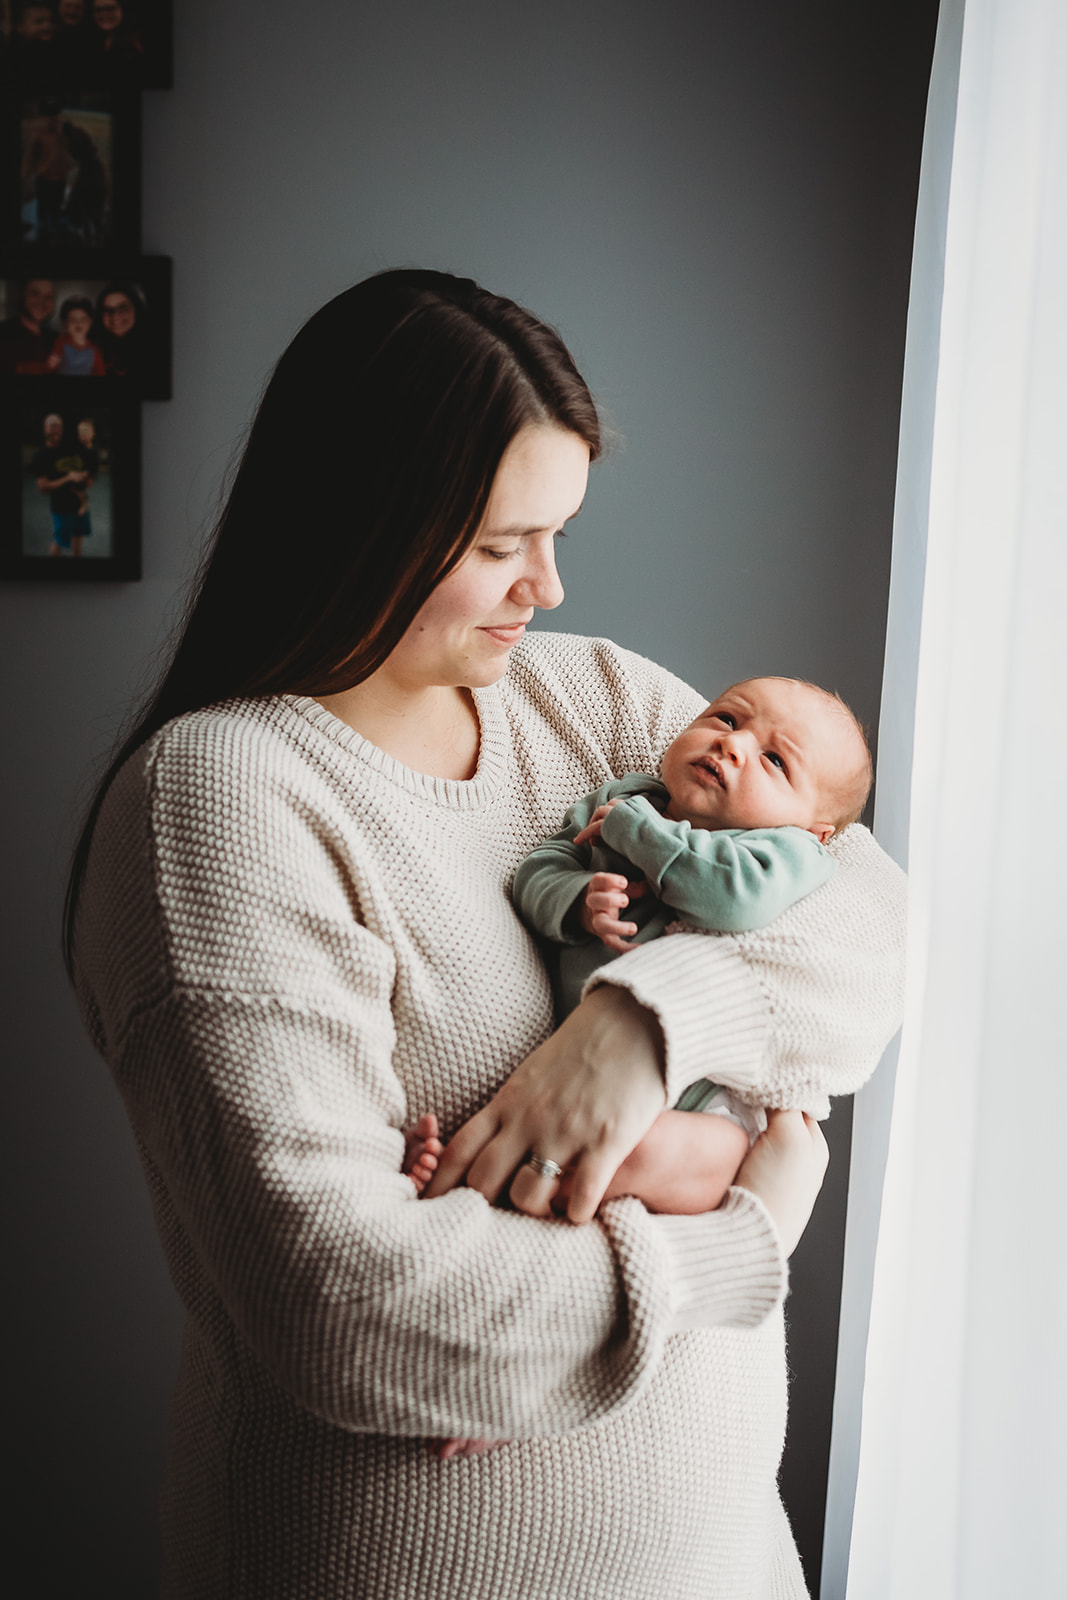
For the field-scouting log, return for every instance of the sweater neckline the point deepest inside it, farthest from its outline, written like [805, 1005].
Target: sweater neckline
[458, 793]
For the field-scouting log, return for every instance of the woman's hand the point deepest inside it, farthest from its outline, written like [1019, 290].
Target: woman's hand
[583, 1100]
[785, 1168]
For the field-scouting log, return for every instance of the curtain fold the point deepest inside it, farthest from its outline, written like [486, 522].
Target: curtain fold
[962, 1475]
[873, 1105]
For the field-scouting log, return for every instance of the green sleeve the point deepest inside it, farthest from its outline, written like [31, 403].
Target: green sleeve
[728, 880]
[553, 876]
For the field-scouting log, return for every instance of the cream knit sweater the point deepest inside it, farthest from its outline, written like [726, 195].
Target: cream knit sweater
[289, 946]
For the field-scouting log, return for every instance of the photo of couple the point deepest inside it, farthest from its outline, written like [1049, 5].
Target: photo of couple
[67, 172]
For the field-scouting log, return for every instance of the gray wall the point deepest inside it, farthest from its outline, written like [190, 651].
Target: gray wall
[713, 201]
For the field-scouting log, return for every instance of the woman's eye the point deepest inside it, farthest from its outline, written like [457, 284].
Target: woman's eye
[498, 555]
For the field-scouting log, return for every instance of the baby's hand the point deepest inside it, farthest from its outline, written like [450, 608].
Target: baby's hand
[606, 897]
[591, 832]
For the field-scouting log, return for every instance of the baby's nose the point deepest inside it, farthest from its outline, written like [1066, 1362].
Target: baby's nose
[732, 747]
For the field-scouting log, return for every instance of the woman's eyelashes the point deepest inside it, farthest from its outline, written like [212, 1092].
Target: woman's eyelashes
[495, 553]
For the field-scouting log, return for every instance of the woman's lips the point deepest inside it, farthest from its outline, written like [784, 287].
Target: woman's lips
[508, 636]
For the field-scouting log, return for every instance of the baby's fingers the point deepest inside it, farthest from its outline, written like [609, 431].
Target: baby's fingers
[605, 882]
[591, 832]
[606, 904]
[613, 933]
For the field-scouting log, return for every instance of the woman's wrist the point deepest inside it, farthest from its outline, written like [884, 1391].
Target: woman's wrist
[672, 978]
[611, 1021]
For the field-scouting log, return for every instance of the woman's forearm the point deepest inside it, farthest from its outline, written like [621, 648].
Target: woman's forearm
[583, 1099]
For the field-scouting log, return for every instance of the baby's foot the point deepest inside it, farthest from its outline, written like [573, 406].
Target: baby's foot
[423, 1150]
[684, 1164]
[446, 1449]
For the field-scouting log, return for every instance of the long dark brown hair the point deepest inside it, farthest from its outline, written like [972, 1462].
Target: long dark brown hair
[364, 479]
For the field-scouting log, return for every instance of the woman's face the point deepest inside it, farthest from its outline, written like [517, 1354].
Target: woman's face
[107, 14]
[463, 635]
[118, 314]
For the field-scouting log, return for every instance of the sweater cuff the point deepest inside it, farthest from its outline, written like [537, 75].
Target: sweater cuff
[727, 1266]
[714, 1016]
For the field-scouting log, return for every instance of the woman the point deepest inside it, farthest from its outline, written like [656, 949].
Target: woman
[119, 320]
[293, 933]
[116, 45]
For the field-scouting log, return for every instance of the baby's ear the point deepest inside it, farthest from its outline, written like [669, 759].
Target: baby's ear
[822, 831]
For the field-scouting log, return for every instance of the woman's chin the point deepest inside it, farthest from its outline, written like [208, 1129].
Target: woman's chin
[485, 677]
[485, 670]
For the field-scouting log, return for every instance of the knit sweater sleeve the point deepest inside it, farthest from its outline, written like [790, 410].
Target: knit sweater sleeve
[791, 1013]
[248, 1015]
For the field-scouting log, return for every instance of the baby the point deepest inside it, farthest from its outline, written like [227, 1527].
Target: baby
[731, 837]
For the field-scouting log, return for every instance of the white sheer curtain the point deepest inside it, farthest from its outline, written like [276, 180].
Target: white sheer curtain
[961, 1491]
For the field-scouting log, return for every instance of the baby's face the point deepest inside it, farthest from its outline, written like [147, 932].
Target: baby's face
[766, 753]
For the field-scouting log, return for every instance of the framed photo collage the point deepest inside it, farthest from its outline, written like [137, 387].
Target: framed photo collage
[85, 319]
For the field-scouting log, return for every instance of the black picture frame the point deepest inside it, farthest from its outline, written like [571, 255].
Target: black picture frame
[135, 356]
[66, 226]
[45, 536]
[142, 56]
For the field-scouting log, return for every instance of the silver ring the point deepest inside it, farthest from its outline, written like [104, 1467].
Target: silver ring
[543, 1167]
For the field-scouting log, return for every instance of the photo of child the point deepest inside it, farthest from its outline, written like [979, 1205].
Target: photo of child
[74, 355]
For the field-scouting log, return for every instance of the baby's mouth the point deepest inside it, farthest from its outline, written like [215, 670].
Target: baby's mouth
[712, 768]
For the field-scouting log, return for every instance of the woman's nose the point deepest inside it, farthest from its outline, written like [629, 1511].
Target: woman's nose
[539, 585]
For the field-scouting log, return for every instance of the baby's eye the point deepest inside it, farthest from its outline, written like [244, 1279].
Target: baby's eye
[775, 759]
[725, 716]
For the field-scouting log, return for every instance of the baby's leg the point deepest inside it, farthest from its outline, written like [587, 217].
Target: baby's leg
[423, 1151]
[684, 1164]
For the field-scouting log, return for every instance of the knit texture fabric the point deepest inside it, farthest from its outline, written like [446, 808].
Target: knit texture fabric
[290, 946]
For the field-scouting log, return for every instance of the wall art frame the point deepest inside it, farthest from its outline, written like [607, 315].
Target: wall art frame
[70, 484]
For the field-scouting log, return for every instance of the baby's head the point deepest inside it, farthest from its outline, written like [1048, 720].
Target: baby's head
[767, 752]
